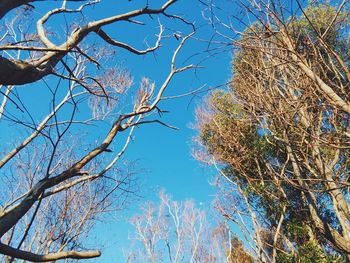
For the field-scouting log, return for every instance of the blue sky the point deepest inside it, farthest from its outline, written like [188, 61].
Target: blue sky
[163, 155]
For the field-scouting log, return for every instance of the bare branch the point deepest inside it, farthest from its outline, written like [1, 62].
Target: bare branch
[17, 253]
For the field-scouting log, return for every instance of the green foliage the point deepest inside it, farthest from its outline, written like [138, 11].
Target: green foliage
[250, 125]
[309, 252]
[285, 258]
[297, 231]
[316, 19]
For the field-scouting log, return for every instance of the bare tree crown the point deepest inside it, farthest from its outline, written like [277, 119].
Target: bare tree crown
[56, 184]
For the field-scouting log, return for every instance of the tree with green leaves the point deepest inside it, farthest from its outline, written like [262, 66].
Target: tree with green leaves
[280, 134]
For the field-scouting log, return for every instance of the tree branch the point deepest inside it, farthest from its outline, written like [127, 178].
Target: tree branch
[20, 254]
[18, 72]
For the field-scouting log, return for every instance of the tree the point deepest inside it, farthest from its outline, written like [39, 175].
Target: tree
[179, 232]
[55, 181]
[281, 130]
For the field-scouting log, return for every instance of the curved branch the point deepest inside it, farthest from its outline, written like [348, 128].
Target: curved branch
[113, 42]
[18, 72]
[21, 254]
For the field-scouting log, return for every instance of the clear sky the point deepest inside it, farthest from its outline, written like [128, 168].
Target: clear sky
[163, 156]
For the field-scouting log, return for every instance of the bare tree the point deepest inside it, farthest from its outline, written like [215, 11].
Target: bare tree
[177, 232]
[56, 183]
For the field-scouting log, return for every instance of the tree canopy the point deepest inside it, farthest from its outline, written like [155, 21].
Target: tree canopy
[280, 132]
